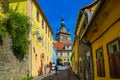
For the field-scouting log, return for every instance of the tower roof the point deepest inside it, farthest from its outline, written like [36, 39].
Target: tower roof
[62, 27]
[62, 23]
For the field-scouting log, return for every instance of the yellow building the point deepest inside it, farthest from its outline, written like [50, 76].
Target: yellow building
[72, 61]
[76, 55]
[82, 53]
[41, 40]
[41, 34]
[103, 32]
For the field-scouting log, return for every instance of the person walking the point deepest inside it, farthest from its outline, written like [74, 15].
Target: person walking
[47, 69]
[69, 70]
[56, 69]
[50, 66]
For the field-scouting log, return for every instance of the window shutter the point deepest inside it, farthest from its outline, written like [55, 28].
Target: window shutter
[102, 68]
[98, 67]
[117, 64]
[111, 64]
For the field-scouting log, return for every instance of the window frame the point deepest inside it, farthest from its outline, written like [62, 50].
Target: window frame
[99, 74]
[118, 39]
[101, 48]
[112, 57]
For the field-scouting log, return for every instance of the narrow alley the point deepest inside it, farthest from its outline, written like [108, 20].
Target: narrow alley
[62, 75]
[80, 39]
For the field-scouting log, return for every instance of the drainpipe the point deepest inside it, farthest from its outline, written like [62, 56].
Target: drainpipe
[30, 3]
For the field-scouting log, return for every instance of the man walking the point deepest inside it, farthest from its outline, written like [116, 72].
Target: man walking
[56, 69]
[69, 70]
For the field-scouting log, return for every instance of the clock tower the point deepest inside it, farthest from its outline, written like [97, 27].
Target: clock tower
[62, 34]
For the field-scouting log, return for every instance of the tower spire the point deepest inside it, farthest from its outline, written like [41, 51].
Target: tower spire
[62, 23]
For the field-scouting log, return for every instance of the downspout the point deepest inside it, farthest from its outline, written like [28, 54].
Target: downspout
[100, 3]
[30, 3]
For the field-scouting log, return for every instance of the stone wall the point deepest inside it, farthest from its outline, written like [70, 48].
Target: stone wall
[11, 68]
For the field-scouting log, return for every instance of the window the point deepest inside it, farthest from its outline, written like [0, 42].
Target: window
[42, 40]
[114, 58]
[100, 63]
[61, 54]
[86, 21]
[68, 59]
[64, 59]
[37, 34]
[113, 46]
[34, 49]
[68, 54]
[1, 41]
[42, 23]
[48, 33]
[67, 46]
[46, 29]
[37, 15]
[5, 7]
[56, 54]
[51, 37]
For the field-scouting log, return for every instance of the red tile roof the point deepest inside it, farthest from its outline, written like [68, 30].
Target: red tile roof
[61, 45]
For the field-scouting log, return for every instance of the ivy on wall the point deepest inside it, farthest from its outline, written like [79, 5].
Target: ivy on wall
[18, 25]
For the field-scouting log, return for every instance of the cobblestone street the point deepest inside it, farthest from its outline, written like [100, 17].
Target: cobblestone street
[62, 75]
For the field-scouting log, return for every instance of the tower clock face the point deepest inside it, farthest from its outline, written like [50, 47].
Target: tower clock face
[65, 38]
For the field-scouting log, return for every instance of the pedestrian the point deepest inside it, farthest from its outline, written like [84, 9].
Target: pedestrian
[56, 69]
[40, 72]
[69, 70]
[50, 66]
[47, 69]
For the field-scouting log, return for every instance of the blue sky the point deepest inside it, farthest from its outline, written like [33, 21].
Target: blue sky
[54, 9]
